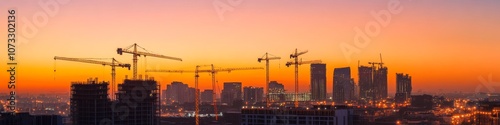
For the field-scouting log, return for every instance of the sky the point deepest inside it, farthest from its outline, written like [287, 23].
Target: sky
[446, 46]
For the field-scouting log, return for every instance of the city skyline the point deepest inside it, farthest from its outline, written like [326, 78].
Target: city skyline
[432, 49]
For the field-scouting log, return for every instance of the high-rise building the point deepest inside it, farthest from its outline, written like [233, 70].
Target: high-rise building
[403, 87]
[365, 82]
[231, 92]
[343, 85]
[253, 95]
[318, 81]
[139, 100]
[180, 93]
[372, 82]
[89, 102]
[380, 82]
[206, 96]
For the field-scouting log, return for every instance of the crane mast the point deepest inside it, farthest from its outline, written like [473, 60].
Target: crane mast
[296, 63]
[212, 71]
[136, 54]
[113, 64]
[267, 58]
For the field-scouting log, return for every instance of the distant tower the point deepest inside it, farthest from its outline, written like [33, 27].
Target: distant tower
[365, 82]
[403, 87]
[318, 81]
[231, 92]
[343, 85]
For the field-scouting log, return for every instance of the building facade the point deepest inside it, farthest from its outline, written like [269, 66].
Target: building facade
[252, 95]
[231, 92]
[343, 85]
[403, 87]
[317, 115]
[276, 92]
[318, 82]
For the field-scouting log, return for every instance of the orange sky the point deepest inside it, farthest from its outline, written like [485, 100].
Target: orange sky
[442, 44]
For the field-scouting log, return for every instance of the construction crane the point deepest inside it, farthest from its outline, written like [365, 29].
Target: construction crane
[267, 58]
[212, 71]
[133, 50]
[113, 64]
[381, 64]
[296, 62]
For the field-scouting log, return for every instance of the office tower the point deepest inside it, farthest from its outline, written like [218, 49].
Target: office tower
[343, 85]
[89, 102]
[276, 91]
[365, 82]
[318, 81]
[252, 95]
[403, 87]
[206, 96]
[231, 92]
[380, 82]
[138, 99]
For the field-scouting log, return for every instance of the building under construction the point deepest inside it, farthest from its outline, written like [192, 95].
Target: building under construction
[90, 104]
[141, 101]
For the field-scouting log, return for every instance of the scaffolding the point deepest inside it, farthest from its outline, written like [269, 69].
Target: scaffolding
[89, 102]
[142, 98]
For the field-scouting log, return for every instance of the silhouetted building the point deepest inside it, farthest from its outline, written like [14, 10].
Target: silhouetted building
[138, 102]
[365, 82]
[380, 82]
[403, 87]
[89, 102]
[231, 92]
[317, 115]
[343, 85]
[24, 118]
[206, 96]
[422, 101]
[179, 92]
[276, 92]
[318, 81]
[253, 95]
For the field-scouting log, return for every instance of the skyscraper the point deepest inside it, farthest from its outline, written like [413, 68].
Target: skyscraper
[318, 81]
[231, 92]
[380, 82]
[403, 87]
[365, 82]
[253, 94]
[343, 85]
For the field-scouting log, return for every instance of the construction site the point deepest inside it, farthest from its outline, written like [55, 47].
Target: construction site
[137, 101]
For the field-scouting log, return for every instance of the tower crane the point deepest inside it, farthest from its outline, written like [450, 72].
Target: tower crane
[196, 72]
[132, 49]
[296, 62]
[113, 64]
[267, 58]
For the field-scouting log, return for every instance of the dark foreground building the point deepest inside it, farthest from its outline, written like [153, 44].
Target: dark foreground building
[89, 102]
[317, 115]
[138, 103]
[25, 118]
